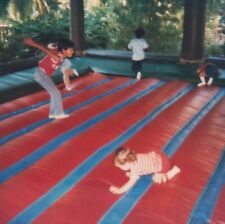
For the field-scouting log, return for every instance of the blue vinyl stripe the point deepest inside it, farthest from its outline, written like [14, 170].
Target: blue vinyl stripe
[38, 124]
[55, 143]
[34, 106]
[35, 209]
[118, 212]
[206, 203]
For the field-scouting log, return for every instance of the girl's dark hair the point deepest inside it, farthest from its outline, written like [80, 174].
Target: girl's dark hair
[131, 156]
[139, 33]
[64, 44]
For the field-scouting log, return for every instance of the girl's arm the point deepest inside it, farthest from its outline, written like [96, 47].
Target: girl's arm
[32, 43]
[125, 187]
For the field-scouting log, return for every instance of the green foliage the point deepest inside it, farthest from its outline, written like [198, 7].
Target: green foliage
[3, 7]
[214, 40]
[173, 39]
[109, 26]
[96, 24]
[48, 27]
[20, 10]
[44, 29]
[113, 24]
[212, 50]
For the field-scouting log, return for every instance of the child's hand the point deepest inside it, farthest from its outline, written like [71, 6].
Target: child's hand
[71, 72]
[115, 190]
[68, 72]
[28, 41]
[75, 72]
[159, 178]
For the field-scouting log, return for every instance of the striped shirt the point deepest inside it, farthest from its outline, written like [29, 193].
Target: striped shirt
[147, 163]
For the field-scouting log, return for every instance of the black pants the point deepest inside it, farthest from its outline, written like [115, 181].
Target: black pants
[136, 66]
[212, 71]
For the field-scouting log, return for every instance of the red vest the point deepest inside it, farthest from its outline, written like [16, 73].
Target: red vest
[48, 65]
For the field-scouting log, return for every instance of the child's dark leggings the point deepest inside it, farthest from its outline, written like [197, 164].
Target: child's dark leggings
[136, 66]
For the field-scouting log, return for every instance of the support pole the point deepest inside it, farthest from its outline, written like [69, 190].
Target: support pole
[77, 25]
[193, 31]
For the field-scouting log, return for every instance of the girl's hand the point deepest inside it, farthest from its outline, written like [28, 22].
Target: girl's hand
[159, 178]
[68, 72]
[115, 190]
[28, 41]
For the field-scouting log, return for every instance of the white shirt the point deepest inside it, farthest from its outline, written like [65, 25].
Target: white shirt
[137, 45]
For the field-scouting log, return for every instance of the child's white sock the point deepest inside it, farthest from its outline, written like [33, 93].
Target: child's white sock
[75, 72]
[139, 75]
[209, 83]
[202, 83]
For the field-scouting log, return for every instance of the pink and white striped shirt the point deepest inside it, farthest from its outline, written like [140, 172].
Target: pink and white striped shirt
[145, 164]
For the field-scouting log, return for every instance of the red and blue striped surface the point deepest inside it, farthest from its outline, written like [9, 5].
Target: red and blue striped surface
[60, 171]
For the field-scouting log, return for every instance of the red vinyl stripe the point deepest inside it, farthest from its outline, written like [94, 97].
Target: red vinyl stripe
[91, 194]
[36, 180]
[15, 123]
[36, 97]
[9, 152]
[98, 182]
[197, 157]
[69, 155]
[218, 215]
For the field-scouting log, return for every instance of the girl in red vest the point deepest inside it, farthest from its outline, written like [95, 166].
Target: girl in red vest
[55, 57]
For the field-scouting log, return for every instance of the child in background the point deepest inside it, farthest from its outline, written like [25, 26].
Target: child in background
[65, 68]
[209, 71]
[138, 45]
[47, 67]
[137, 165]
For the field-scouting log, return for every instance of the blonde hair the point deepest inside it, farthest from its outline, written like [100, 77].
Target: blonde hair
[123, 155]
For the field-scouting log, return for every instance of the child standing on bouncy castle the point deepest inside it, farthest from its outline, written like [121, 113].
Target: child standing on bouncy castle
[56, 55]
[138, 45]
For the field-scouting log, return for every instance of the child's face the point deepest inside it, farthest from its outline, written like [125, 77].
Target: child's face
[68, 53]
[124, 167]
[121, 158]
